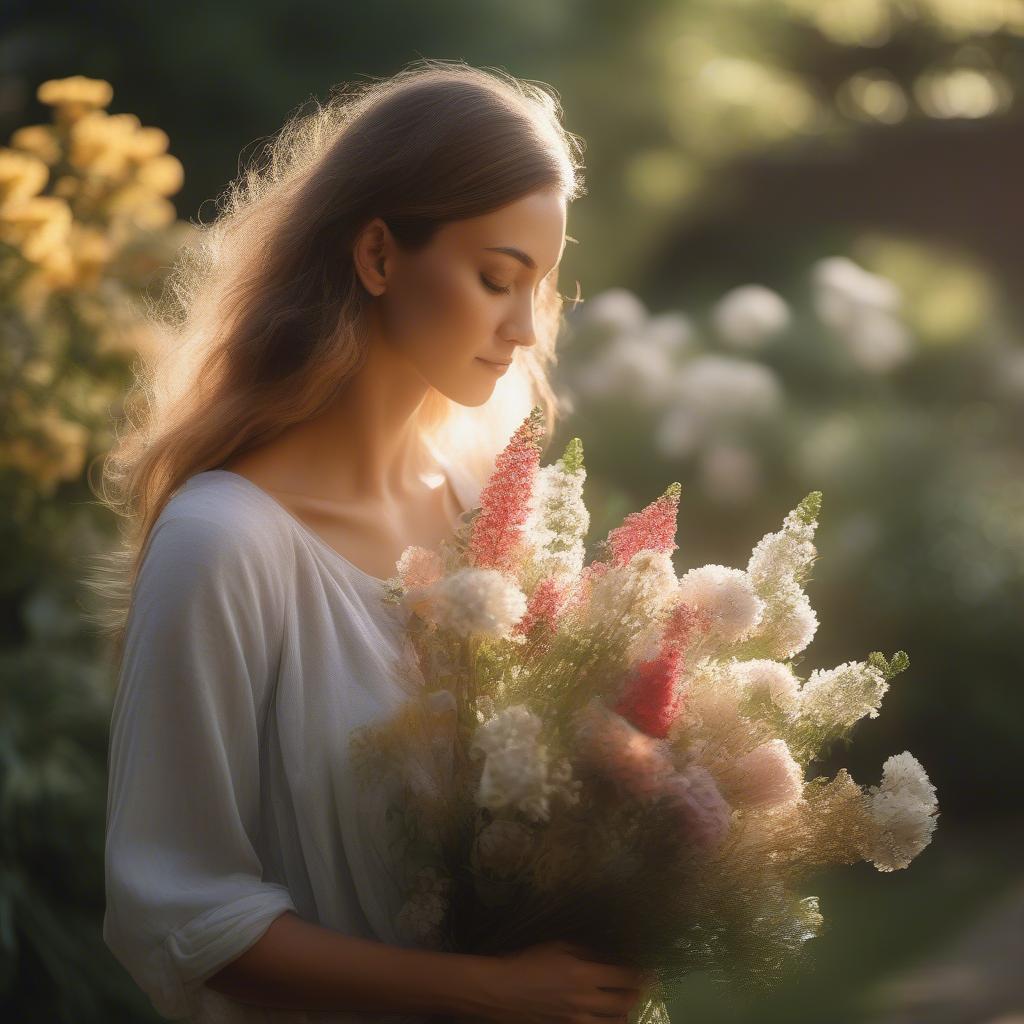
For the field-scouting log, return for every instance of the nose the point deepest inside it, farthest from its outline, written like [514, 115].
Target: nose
[524, 329]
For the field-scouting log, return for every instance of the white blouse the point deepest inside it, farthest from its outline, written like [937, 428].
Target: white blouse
[252, 649]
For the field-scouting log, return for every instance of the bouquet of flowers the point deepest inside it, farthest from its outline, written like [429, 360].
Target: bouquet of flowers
[611, 754]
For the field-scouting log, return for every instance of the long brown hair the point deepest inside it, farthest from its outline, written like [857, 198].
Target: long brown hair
[260, 323]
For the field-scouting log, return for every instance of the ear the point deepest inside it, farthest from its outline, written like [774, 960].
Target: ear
[371, 255]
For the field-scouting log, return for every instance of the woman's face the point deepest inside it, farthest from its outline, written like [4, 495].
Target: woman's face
[466, 301]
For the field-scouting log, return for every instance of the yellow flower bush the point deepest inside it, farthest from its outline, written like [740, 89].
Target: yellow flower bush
[85, 222]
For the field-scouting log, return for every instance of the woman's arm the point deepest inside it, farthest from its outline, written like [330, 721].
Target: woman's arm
[298, 965]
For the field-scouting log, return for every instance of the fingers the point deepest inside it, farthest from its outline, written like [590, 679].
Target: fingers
[618, 976]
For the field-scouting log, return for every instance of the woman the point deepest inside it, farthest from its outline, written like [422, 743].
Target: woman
[357, 335]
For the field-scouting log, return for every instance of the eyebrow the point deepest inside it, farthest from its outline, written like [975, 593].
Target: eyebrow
[511, 250]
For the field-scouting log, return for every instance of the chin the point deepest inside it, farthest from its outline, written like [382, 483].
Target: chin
[468, 394]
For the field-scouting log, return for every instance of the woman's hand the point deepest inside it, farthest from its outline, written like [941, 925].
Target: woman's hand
[555, 983]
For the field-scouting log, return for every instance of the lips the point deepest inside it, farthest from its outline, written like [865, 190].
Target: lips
[497, 362]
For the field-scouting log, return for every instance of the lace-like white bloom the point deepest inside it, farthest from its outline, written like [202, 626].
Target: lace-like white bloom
[789, 623]
[475, 601]
[763, 676]
[777, 566]
[728, 596]
[631, 595]
[782, 555]
[558, 521]
[906, 810]
[841, 696]
[516, 771]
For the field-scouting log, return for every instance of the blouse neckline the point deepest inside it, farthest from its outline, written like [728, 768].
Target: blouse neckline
[328, 550]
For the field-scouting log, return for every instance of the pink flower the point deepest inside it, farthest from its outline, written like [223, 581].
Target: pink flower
[418, 567]
[651, 529]
[685, 625]
[653, 697]
[650, 699]
[608, 745]
[497, 532]
[766, 776]
[544, 606]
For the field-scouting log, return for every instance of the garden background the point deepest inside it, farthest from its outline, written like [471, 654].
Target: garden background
[800, 261]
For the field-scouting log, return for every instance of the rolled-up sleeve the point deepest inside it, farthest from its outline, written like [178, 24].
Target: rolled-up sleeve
[185, 892]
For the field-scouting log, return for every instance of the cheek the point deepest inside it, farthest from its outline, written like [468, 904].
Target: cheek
[445, 308]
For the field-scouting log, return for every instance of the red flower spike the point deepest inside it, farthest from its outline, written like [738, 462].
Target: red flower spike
[543, 606]
[497, 532]
[685, 624]
[651, 529]
[651, 700]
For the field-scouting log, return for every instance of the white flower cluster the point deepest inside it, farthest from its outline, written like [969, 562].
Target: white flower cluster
[793, 622]
[711, 393]
[558, 521]
[772, 679]
[905, 808]
[728, 596]
[748, 316]
[777, 566]
[655, 362]
[864, 309]
[636, 353]
[838, 697]
[475, 601]
[516, 771]
[713, 695]
[630, 596]
[785, 554]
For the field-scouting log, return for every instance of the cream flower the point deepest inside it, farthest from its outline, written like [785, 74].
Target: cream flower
[838, 697]
[475, 601]
[905, 809]
[767, 776]
[728, 596]
[516, 771]
[784, 554]
[558, 521]
[630, 596]
[772, 679]
[789, 623]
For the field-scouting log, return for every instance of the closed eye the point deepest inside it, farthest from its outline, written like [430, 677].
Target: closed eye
[494, 287]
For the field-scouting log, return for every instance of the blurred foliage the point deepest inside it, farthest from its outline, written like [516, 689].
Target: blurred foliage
[85, 224]
[673, 97]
